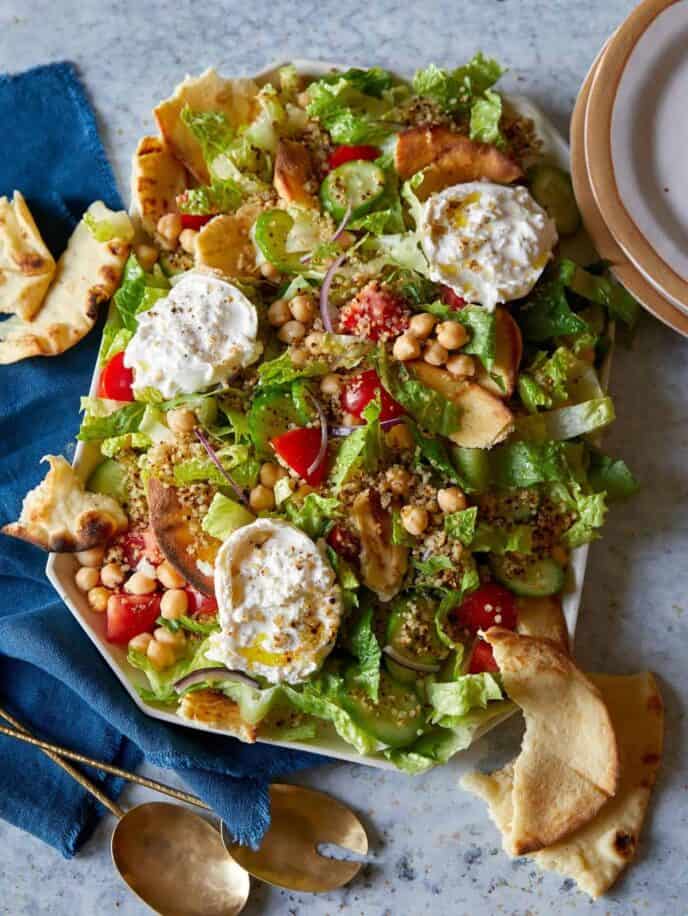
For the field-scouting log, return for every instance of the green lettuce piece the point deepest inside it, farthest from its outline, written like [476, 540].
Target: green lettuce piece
[352, 105]
[452, 598]
[611, 476]
[473, 467]
[153, 425]
[282, 371]
[400, 535]
[547, 312]
[486, 114]
[220, 196]
[224, 516]
[254, 703]
[388, 216]
[402, 249]
[456, 698]
[366, 649]
[461, 525]
[605, 291]
[346, 577]
[436, 453]
[361, 448]
[526, 464]
[565, 377]
[427, 407]
[112, 446]
[477, 718]
[321, 698]
[161, 683]
[481, 324]
[212, 130]
[138, 292]
[124, 420]
[344, 351]
[567, 422]
[115, 339]
[456, 90]
[532, 394]
[237, 459]
[116, 226]
[189, 624]
[491, 539]
[430, 568]
[314, 514]
[591, 509]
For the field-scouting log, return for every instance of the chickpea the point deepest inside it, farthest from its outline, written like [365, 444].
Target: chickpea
[168, 576]
[270, 473]
[141, 642]
[174, 603]
[451, 500]
[270, 272]
[291, 332]
[303, 309]
[146, 255]
[330, 384]
[160, 655]
[98, 599]
[435, 354]
[170, 227]
[112, 575]
[181, 420]
[406, 347]
[461, 366]
[398, 479]
[279, 313]
[313, 342]
[93, 557]
[414, 519]
[187, 239]
[421, 325]
[298, 356]
[176, 641]
[451, 335]
[261, 497]
[303, 98]
[399, 437]
[87, 578]
[140, 584]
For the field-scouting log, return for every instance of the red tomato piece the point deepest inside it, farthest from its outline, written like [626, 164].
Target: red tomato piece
[116, 380]
[344, 542]
[490, 605]
[343, 154]
[375, 312]
[137, 543]
[299, 448]
[452, 299]
[361, 389]
[482, 658]
[200, 605]
[196, 220]
[129, 615]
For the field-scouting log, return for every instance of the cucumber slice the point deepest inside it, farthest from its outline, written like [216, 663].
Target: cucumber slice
[399, 673]
[411, 631]
[359, 184]
[552, 189]
[396, 717]
[110, 479]
[534, 578]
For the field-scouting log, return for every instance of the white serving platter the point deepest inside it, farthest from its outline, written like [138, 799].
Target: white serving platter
[60, 568]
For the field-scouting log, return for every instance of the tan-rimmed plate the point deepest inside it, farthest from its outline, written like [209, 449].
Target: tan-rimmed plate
[635, 117]
[603, 240]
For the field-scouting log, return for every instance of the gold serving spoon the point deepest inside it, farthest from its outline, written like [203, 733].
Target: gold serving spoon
[302, 820]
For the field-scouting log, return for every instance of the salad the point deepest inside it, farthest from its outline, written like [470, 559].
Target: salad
[348, 398]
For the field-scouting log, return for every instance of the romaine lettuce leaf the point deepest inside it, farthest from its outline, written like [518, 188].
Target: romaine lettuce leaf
[138, 292]
[456, 698]
[456, 90]
[611, 476]
[282, 371]
[237, 459]
[115, 226]
[220, 196]
[567, 422]
[366, 649]
[591, 509]
[362, 448]
[110, 447]
[224, 516]
[525, 464]
[427, 407]
[436, 453]
[493, 539]
[605, 291]
[212, 130]
[547, 312]
[461, 525]
[115, 339]
[352, 105]
[532, 394]
[320, 698]
[162, 683]
[314, 514]
[124, 420]
[486, 114]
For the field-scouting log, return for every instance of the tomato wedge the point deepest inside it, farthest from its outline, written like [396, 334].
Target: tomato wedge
[343, 154]
[482, 658]
[452, 299]
[299, 448]
[129, 615]
[200, 605]
[196, 220]
[361, 389]
[116, 380]
[488, 606]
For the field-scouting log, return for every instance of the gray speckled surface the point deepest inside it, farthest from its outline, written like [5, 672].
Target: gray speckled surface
[434, 849]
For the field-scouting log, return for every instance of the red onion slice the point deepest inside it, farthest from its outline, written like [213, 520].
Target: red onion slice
[213, 674]
[202, 438]
[406, 663]
[341, 432]
[322, 451]
[325, 293]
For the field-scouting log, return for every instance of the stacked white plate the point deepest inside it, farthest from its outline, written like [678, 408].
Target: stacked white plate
[629, 152]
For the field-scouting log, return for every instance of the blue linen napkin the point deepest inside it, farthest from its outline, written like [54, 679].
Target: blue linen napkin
[51, 676]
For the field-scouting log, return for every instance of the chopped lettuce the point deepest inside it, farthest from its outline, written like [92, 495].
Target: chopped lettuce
[119, 422]
[461, 525]
[237, 459]
[362, 448]
[591, 509]
[436, 453]
[429, 569]
[611, 476]
[494, 539]
[220, 196]
[486, 114]
[314, 514]
[114, 226]
[224, 516]
[212, 130]
[161, 683]
[547, 313]
[115, 339]
[282, 371]
[452, 598]
[456, 698]
[431, 410]
[457, 90]
[605, 291]
[353, 105]
[532, 394]
[402, 249]
[567, 422]
[366, 649]
[321, 698]
[525, 464]
[112, 446]
[138, 292]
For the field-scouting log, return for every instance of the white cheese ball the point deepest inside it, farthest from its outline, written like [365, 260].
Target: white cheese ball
[488, 242]
[203, 332]
[279, 604]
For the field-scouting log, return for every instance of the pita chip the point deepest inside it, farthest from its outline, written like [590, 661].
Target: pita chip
[156, 180]
[26, 265]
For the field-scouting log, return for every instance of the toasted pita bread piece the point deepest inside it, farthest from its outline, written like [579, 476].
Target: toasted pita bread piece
[543, 617]
[595, 855]
[87, 275]
[26, 265]
[467, 161]
[225, 244]
[417, 147]
[156, 180]
[213, 708]
[235, 99]
[61, 516]
[293, 178]
[569, 763]
[180, 539]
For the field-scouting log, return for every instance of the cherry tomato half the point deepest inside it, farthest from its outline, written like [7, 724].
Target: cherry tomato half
[361, 389]
[196, 220]
[137, 543]
[452, 299]
[200, 605]
[342, 154]
[129, 615]
[375, 312]
[116, 380]
[482, 658]
[299, 448]
[490, 605]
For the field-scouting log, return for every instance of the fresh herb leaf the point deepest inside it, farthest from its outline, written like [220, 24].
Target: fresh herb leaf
[461, 525]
